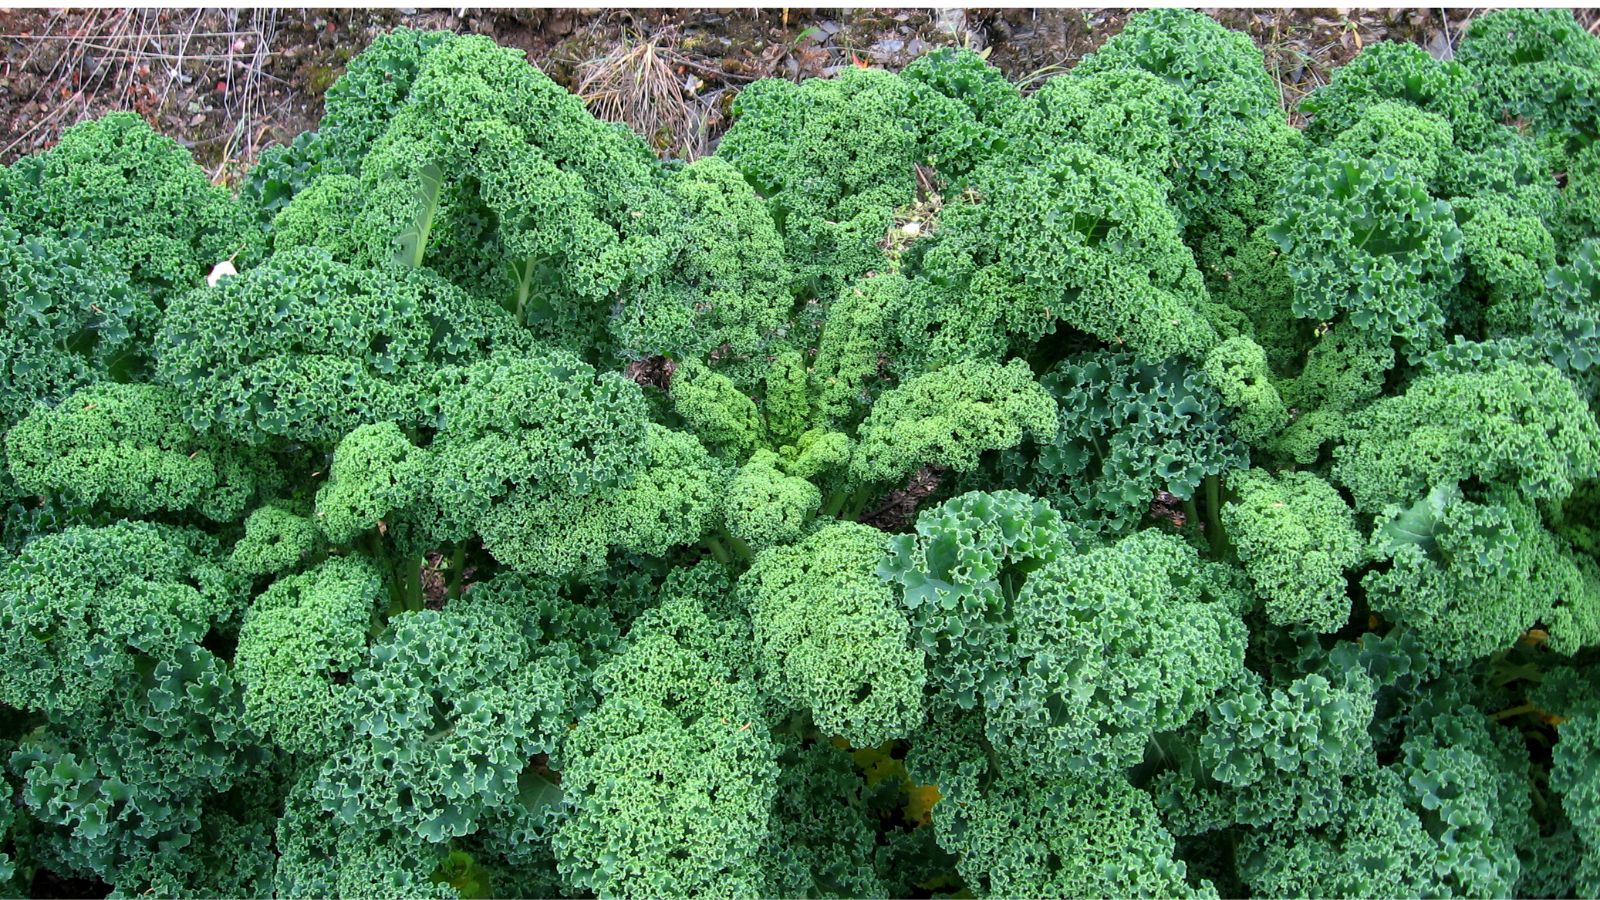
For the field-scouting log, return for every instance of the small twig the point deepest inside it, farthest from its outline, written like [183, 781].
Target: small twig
[153, 37]
[163, 56]
[715, 72]
[177, 68]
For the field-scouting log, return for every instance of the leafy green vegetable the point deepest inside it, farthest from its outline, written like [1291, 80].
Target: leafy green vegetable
[1113, 487]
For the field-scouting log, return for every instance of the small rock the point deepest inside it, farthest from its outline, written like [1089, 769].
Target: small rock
[1439, 47]
[951, 21]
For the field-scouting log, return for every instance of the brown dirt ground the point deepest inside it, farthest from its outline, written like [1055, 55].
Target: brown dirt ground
[228, 83]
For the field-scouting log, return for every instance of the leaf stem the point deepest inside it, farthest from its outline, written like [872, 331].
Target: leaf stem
[1215, 535]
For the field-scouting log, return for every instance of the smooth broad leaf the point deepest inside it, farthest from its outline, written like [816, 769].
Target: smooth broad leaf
[1418, 524]
[540, 795]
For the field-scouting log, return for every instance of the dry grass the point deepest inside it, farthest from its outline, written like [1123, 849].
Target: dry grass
[233, 80]
[142, 60]
[646, 84]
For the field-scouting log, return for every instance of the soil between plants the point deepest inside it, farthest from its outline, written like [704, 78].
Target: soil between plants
[229, 82]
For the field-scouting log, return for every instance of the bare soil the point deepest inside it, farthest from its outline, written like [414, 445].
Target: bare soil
[228, 83]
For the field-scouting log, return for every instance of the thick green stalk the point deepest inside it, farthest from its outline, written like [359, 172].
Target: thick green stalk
[1514, 711]
[834, 503]
[1215, 535]
[412, 586]
[372, 544]
[740, 550]
[855, 504]
[524, 278]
